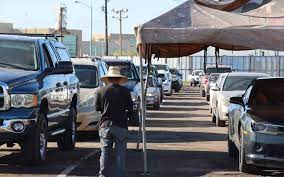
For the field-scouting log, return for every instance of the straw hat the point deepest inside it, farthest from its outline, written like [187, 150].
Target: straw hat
[114, 72]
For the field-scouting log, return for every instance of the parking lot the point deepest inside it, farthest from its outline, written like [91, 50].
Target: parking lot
[182, 142]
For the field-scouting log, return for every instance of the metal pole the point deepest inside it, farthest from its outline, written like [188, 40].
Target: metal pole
[91, 39]
[106, 28]
[120, 23]
[143, 115]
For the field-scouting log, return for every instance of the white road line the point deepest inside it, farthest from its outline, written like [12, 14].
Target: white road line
[70, 168]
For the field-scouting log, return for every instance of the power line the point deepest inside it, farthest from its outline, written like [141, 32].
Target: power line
[120, 16]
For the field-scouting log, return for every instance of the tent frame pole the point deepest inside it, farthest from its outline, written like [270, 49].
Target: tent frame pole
[205, 60]
[143, 114]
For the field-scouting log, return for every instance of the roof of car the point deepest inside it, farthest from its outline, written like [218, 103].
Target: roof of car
[247, 74]
[219, 66]
[267, 81]
[118, 60]
[83, 61]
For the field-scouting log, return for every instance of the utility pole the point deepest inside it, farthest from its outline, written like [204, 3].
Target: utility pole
[120, 17]
[105, 10]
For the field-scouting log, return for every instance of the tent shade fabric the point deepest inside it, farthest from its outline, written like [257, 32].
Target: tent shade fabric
[226, 6]
[191, 27]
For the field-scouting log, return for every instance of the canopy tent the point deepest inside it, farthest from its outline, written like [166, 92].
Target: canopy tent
[223, 5]
[191, 27]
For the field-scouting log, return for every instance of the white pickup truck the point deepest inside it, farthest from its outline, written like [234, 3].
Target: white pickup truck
[194, 78]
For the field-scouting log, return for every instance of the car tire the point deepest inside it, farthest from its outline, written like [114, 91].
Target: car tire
[67, 140]
[207, 97]
[232, 149]
[202, 92]
[243, 166]
[220, 123]
[34, 147]
[190, 84]
[213, 117]
[171, 92]
[157, 105]
[177, 90]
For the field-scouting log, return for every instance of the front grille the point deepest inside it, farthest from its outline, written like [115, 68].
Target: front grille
[273, 150]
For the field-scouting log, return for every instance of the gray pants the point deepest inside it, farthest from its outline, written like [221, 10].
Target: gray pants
[109, 136]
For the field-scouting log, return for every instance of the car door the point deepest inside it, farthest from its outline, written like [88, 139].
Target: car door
[54, 88]
[70, 84]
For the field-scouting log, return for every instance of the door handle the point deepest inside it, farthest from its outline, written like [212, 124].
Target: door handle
[58, 84]
[65, 83]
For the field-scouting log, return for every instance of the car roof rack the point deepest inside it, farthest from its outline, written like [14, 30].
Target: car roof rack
[46, 36]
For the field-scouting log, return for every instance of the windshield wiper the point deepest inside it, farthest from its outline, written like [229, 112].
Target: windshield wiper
[8, 65]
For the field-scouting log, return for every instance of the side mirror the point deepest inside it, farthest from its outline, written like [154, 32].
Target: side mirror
[64, 67]
[237, 100]
[214, 87]
[160, 81]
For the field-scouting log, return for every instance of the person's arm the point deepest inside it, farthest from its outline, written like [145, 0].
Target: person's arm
[129, 106]
[98, 103]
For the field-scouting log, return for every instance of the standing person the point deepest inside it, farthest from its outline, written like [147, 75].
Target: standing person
[115, 104]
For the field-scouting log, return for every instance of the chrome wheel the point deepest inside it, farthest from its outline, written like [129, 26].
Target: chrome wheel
[42, 145]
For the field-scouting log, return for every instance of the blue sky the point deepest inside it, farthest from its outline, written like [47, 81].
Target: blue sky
[42, 13]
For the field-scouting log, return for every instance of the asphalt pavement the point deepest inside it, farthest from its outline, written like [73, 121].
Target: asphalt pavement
[182, 142]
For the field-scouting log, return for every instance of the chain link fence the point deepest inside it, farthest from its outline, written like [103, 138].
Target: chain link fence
[273, 65]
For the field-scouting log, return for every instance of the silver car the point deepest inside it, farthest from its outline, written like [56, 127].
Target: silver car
[229, 85]
[88, 71]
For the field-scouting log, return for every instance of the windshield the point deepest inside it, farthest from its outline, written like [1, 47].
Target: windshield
[18, 55]
[238, 83]
[272, 95]
[213, 78]
[126, 69]
[150, 82]
[196, 73]
[163, 76]
[220, 70]
[87, 75]
[162, 67]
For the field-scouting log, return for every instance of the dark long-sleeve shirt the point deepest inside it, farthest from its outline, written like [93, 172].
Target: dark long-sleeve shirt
[115, 104]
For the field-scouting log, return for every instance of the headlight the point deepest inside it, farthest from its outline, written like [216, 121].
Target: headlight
[151, 94]
[264, 128]
[23, 100]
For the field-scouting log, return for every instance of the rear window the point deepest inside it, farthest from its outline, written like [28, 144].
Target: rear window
[213, 78]
[220, 70]
[18, 55]
[238, 83]
[87, 75]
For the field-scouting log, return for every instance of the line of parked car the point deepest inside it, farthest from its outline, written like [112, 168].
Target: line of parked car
[44, 94]
[252, 106]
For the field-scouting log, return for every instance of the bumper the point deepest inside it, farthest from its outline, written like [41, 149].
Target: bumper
[167, 90]
[151, 100]
[176, 84]
[88, 120]
[28, 117]
[265, 150]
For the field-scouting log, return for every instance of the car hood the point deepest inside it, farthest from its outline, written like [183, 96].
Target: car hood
[228, 94]
[87, 93]
[15, 76]
[151, 89]
[130, 85]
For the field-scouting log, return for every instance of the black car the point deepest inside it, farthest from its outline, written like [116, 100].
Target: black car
[128, 69]
[38, 95]
[176, 79]
[256, 126]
